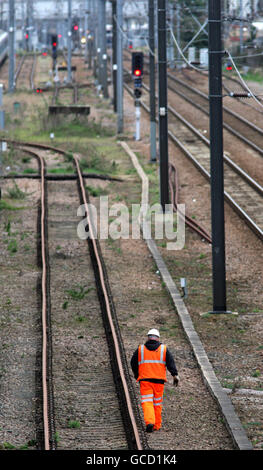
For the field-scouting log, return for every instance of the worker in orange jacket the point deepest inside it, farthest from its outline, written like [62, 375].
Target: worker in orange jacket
[149, 363]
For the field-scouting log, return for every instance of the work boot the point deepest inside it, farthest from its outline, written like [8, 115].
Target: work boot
[149, 428]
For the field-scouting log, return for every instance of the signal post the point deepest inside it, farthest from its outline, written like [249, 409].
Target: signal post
[137, 73]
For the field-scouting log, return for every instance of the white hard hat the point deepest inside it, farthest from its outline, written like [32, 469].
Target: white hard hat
[153, 332]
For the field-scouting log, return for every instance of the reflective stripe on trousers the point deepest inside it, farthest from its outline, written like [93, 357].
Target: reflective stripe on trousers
[145, 398]
[152, 400]
[158, 401]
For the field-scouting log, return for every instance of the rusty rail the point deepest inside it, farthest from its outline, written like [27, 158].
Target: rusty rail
[117, 351]
[135, 438]
[174, 190]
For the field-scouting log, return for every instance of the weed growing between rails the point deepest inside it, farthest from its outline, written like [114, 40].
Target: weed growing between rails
[154, 222]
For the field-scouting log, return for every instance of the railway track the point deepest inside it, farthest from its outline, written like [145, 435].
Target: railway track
[25, 71]
[174, 192]
[245, 130]
[237, 125]
[242, 192]
[87, 381]
[98, 387]
[228, 83]
[57, 90]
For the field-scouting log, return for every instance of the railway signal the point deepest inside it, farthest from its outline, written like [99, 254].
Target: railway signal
[137, 73]
[54, 42]
[229, 67]
[137, 64]
[75, 30]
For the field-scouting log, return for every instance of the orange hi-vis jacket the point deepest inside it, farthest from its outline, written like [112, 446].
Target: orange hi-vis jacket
[152, 364]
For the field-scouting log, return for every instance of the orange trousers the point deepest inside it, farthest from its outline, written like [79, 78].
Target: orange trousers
[152, 401]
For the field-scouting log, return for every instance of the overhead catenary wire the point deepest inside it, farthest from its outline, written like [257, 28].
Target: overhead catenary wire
[121, 29]
[242, 80]
[196, 35]
[202, 28]
[188, 9]
[183, 56]
[205, 72]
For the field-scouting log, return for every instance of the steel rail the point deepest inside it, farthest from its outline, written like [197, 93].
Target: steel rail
[20, 66]
[231, 79]
[47, 399]
[44, 309]
[44, 314]
[230, 112]
[48, 439]
[174, 190]
[241, 100]
[108, 308]
[238, 209]
[18, 70]
[55, 93]
[226, 109]
[32, 75]
[203, 95]
[255, 228]
[227, 159]
[173, 184]
[50, 176]
[75, 94]
[236, 168]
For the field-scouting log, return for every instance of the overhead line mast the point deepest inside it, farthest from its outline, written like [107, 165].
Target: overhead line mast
[11, 46]
[152, 80]
[119, 20]
[216, 156]
[163, 111]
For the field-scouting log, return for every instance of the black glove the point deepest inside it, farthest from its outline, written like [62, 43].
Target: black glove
[176, 380]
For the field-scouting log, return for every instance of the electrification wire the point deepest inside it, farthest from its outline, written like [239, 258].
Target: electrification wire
[195, 36]
[242, 80]
[120, 29]
[205, 72]
[247, 56]
[183, 56]
[188, 9]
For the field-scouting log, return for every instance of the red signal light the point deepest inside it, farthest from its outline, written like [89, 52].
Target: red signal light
[26, 36]
[137, 64]
[60, 35]
[229, 67]
[76, 27]
[54, 44]
[39, 90]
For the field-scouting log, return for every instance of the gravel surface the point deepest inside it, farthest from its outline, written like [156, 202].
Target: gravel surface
[20, 332]
[86, 404]
[234, 344]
